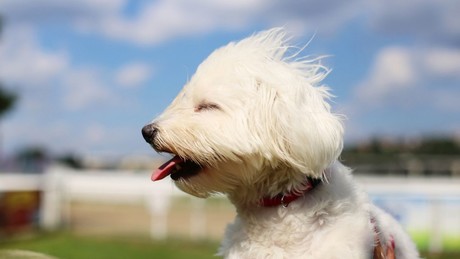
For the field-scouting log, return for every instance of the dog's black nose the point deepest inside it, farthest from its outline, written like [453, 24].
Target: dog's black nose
[149, 132]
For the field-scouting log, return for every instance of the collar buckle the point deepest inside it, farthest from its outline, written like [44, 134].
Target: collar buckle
[283, 202]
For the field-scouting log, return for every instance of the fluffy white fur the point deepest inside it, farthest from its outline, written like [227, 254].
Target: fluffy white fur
[257, 119]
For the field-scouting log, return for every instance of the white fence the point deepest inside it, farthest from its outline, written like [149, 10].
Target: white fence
[430, 205]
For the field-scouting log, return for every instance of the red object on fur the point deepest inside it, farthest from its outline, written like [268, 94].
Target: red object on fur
[382, 251]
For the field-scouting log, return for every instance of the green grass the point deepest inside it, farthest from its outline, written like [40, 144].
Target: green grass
[449, 242]
[69, 246]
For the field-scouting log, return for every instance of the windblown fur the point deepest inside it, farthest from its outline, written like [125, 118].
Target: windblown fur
[256, 118]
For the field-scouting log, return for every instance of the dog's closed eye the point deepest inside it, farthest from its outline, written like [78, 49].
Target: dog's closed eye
[206, 106]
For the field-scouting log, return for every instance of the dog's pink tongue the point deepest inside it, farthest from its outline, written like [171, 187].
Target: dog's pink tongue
[165, 169]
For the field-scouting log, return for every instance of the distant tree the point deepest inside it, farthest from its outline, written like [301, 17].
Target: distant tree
[32, 159]
[32, 153]
[438, 146]
[427, 146]
[7, 98]
[71, 160]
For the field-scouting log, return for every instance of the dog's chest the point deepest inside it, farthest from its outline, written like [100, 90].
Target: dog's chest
[263, 240]
[295, 235]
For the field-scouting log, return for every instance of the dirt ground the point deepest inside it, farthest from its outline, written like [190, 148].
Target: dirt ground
[185, 219]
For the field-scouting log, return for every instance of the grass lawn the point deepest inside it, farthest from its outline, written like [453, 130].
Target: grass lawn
[68, 246]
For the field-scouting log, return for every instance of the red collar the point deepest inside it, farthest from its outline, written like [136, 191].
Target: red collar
[285, 199]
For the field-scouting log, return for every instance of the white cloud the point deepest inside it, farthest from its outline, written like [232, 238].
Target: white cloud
[432, 20]
[85, 88]
[442, 62]
[321, 16]
[46, 79]
[158, 21]
[133, 74]
[38, 12]
[24, 63]
[163, 20]
[404, 89]
[392, 73]
[412, 79]
[95, 133]
[154, 22]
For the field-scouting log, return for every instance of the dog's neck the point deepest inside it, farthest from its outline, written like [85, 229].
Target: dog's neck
[266, 194]
[283, 199]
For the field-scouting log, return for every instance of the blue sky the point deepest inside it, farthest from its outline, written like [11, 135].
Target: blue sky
[90, 74]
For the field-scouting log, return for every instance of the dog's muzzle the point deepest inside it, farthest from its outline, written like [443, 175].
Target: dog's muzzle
[178, 167]
[149, 132]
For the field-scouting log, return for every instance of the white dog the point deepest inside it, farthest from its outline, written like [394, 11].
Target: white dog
[254, 124]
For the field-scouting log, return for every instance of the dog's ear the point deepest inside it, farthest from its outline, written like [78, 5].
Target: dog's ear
[299, 126]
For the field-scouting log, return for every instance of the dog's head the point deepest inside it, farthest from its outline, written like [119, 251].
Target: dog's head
[251, 119]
